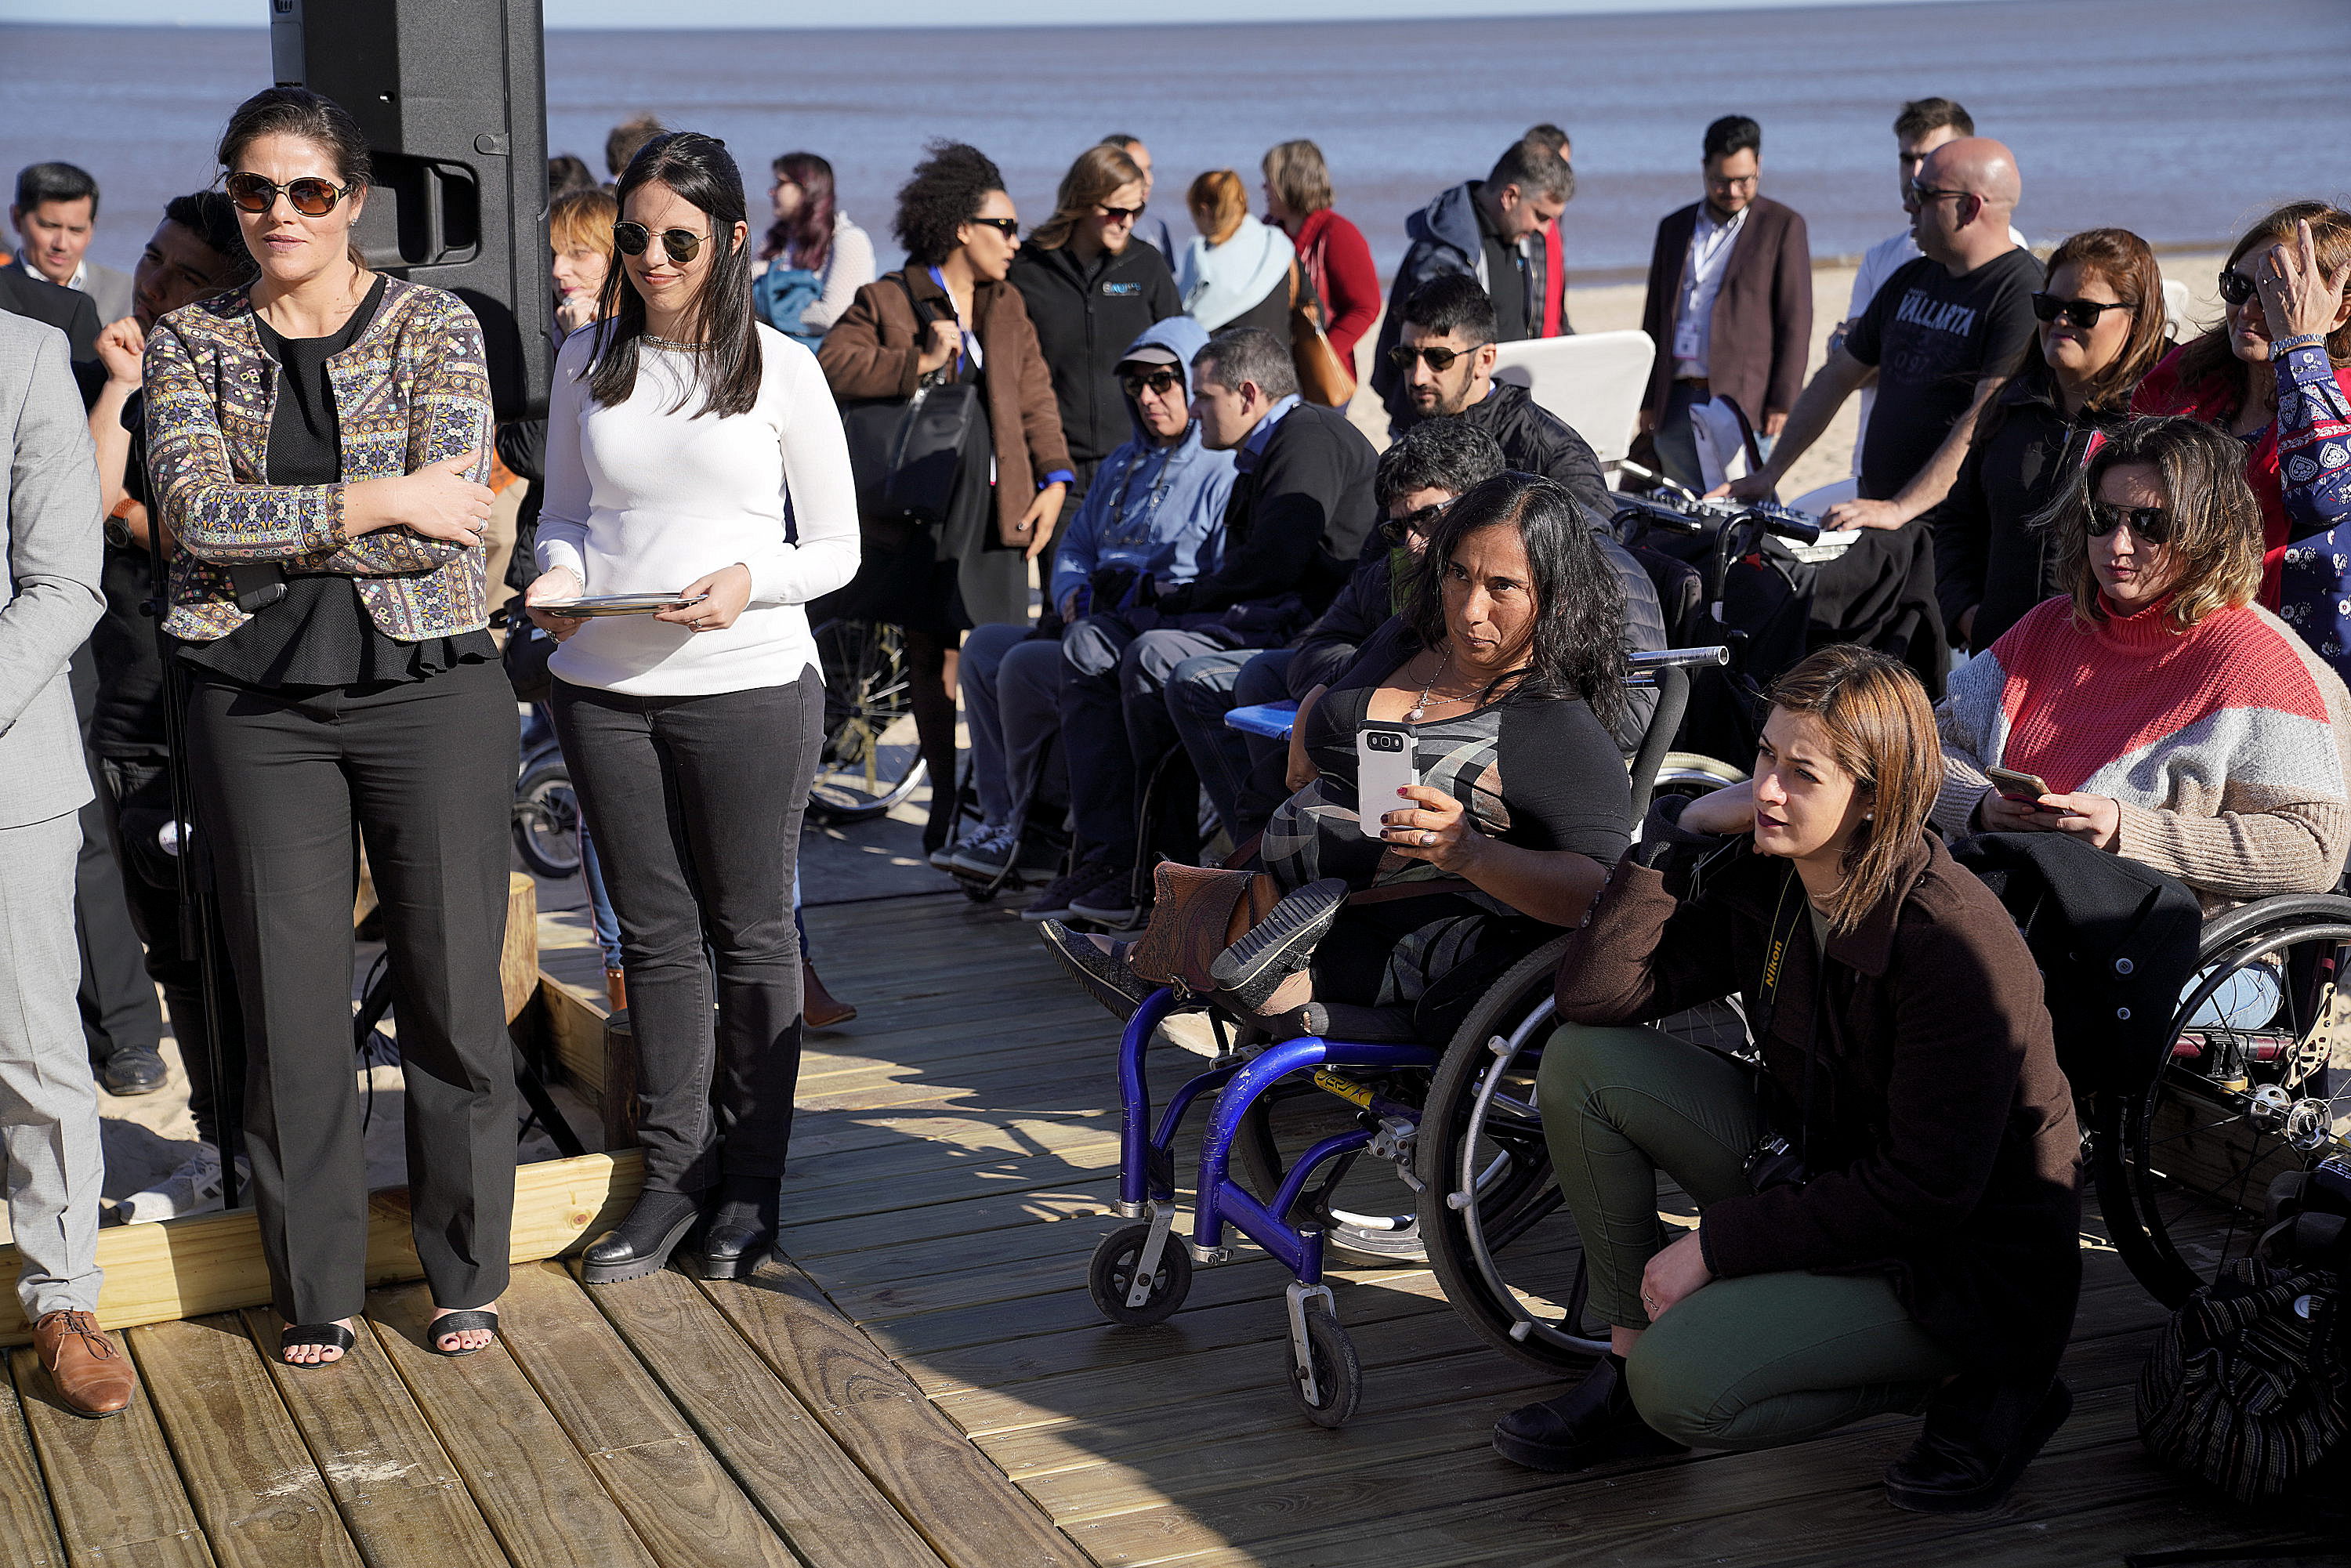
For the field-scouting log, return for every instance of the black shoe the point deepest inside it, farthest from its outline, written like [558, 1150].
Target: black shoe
[644, 1242]
[1280, 945]
[741, 1229]
[1593, 1421]
[1106, 977]
[1979, 1437]
[133, 1069]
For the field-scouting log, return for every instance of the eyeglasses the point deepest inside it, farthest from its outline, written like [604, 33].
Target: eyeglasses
[1924, 194]
[1419, 521]
[1159, 382]
[2148, 525]
[683, 244]
[1121, 214]
[2235, 287]
[2082, 313]
[1439, 360]
[1008, 227]
[310, 196]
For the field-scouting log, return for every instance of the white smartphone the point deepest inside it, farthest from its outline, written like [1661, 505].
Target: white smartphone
[1385, 763]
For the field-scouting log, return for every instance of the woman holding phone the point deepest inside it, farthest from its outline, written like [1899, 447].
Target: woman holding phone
[695, 466]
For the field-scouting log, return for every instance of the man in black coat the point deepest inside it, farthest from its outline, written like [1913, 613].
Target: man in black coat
[1295, 526]
[1088, 303]
[25, 292]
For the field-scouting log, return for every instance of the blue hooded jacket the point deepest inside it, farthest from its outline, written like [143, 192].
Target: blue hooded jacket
[1156, 509]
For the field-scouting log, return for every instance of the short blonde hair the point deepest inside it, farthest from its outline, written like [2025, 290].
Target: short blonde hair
[2214, 552]
[582, 217]
[1299, 176]
[1219, 201]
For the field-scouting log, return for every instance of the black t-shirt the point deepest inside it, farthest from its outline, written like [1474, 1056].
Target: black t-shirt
[1932, 337]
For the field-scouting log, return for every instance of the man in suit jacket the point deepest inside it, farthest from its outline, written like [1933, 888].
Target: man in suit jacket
[48, 1108]
[1730, 305]
[23, 292]
[55, 212]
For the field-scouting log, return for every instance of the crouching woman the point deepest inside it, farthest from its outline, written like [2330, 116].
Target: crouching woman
[1888, 1209]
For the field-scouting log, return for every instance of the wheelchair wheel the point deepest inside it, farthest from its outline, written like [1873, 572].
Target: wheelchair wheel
[2255, 1082]
[872, 760]
[1691, 774]
[547, 818]
[1110, 1277]
[1338, 1373]
[1367, 1216]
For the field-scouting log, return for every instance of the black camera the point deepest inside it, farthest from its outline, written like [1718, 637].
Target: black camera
[1772, 1162]
[1383, 740]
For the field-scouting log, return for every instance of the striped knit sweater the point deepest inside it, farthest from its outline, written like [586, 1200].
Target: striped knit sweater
[2224, 745]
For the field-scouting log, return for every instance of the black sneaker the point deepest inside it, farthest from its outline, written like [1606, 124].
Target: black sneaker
[1059, 899]
[1593, 1421]
[1109, 902]
[1280, 945]
[133, 1069]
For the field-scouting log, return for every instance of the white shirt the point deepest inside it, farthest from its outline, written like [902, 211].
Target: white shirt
[1710, 245]
[642, 497]
[1878, 263]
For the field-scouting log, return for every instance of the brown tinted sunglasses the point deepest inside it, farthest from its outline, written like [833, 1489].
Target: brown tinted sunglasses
[310, 196]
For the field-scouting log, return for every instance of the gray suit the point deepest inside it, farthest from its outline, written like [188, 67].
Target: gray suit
[48, 1107]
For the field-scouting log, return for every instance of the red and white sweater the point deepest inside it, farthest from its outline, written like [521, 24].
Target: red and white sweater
[2224, 745]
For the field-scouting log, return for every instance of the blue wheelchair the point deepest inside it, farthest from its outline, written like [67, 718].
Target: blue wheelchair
[1455, 1115]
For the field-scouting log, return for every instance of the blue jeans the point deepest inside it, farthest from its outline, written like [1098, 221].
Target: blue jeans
[1012, 703]
[1243, 774]
[1115, 723]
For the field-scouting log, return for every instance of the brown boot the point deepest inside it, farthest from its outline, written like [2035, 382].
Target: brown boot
[92, 1376]
[616, 990]
[819, 1008]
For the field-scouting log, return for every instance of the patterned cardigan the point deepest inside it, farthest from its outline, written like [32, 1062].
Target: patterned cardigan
[414, 390]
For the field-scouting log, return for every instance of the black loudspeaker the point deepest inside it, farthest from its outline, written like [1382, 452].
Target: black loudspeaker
[453, 97]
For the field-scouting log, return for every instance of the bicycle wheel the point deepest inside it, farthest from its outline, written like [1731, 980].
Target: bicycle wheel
[2256, 1081]
[872, 760]
[547, 818]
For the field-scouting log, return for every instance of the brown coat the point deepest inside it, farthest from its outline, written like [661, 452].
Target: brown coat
[872, 350]
[1943, 1146]
[1762, 325]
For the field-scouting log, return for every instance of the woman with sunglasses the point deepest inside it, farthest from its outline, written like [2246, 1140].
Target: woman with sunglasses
[694, 457]
[948, 315]
[2170, 717]
[1091, 290]
[316, 442]
[2101, 328]
[2271, 372]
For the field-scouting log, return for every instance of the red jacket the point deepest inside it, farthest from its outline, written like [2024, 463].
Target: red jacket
[1554, 321]
[1338, 262]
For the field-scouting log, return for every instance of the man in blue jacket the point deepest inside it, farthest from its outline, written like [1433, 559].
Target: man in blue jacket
[1153, 517]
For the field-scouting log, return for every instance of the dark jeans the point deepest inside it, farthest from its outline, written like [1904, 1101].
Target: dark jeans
[1243, 774]
[696, 802]
[1677, 447]
[1115, 723]
[425, 768]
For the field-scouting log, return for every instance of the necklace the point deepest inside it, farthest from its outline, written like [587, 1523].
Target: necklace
[669, 343]
[1412, 714]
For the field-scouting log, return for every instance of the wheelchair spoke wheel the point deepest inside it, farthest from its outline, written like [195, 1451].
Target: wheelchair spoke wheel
[1368, 1217]
[2255, 1084]
[547, 820]
[872, 760]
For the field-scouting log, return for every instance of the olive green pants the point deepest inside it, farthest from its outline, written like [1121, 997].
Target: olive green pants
[1750, 1363]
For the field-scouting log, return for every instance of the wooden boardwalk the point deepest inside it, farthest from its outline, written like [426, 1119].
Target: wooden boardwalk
[924, 1381]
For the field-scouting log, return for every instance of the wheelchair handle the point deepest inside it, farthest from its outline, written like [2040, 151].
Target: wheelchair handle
[1666, 658]
[1774, 518]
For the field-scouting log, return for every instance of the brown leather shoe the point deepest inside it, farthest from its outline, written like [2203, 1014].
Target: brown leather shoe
[820, 1009]
[92, 1376]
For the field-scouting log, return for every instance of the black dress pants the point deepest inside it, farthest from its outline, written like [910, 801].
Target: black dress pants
[695, 803]
[425, 770]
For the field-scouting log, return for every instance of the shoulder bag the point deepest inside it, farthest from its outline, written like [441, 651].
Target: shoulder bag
[1323, 376]
[905, 453]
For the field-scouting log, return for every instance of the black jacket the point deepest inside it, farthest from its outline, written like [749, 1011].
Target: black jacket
[1296, 521]
[25, 292]
[1085, 316]
[1536, 441]
[1986, 557]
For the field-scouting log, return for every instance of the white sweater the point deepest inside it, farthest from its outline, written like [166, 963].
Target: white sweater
[642, 498]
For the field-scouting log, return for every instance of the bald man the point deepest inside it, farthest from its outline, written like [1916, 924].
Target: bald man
[1943, 334]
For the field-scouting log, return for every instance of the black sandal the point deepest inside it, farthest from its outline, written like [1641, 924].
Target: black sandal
[460, 1323]
[335, 1336]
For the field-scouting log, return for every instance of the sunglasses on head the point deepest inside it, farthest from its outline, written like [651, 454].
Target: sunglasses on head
[631, 238]
[1120, 215]
[1158, 383]
[2082, 313]
[1439, 360]
[2148, 525]
[1008, 227]
[2235, 287]
[310, 196]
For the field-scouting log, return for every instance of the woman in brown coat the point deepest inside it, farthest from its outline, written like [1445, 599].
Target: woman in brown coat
[1889, 1212]
[948, 316]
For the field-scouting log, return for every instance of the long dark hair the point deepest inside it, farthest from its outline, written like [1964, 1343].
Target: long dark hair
[804, 239]
[298, 112]
[699, 169]
[2208, 356]
[1579, 639]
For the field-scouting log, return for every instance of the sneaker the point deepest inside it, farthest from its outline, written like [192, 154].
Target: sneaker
[1282, 944]
[193, 1188]
[1109, 902]
[1058, 901]
[986, 854]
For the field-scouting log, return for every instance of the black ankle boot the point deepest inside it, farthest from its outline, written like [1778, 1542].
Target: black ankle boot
[1980, 1435]
[1591, 1422]
[644, 1242]
[741, 1229]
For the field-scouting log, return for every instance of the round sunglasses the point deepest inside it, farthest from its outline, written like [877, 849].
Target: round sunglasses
[631, 238]
[2082, 313]
[310, 196]
[2148, 525]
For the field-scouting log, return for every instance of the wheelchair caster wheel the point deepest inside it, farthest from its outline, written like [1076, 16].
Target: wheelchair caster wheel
[1338, 1375]
[977, 892]
[1111, 1277]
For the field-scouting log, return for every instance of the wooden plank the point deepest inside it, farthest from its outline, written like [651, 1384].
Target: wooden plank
[212, 1262]
[28, 1534]
[972, 1516]
[398, 1494]
[810, 1490]
[519, 958]
[116, 1496]
[538, 1495]
[962, 1216]
[675, 1494]
[255, 1485]
[574, 1019]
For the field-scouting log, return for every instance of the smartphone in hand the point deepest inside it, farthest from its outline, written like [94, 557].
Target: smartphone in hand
[2025, 788]
[1384, 763]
